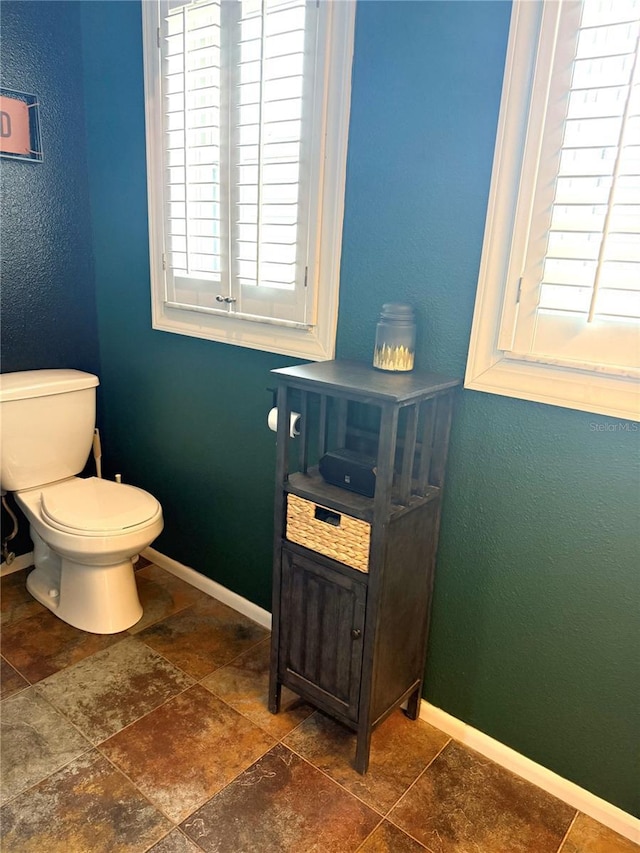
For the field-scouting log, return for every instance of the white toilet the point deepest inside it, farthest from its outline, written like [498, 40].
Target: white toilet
[84, 531]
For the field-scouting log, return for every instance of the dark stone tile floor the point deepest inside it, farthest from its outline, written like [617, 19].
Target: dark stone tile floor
[158, 739]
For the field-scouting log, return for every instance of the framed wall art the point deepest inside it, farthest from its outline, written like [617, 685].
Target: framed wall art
[20, 126]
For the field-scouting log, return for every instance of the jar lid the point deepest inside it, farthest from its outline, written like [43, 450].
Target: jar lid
[397, 311]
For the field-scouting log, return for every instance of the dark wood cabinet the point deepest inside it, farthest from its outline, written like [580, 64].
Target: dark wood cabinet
[353, 575]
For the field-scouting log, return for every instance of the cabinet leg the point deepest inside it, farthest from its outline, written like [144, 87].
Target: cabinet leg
[363, 747]
[413, 704]
[275, 689]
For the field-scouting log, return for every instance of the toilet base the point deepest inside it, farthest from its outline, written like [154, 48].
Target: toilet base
[98, 599]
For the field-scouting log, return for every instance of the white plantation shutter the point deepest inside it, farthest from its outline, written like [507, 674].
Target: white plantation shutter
[240, 105]
[579, 271]
[191, 69]
[234, 212]
[557, 313]
[271, 126]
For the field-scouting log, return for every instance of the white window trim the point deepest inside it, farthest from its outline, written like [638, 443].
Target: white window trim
[488, 368]
[317, 342]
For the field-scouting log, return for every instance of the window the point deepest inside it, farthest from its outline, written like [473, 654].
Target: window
[247, 122]
[557, 315]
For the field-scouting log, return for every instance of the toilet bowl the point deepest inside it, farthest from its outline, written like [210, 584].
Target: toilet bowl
[85, 533]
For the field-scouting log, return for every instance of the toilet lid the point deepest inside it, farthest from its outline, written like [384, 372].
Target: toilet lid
[97, 505]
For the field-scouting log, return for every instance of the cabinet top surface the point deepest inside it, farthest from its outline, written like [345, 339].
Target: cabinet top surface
[363, 380]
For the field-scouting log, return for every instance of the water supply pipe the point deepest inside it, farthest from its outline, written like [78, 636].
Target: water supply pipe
[97, 452]
[7, 555]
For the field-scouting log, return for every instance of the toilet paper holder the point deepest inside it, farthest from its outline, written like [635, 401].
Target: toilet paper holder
[272, 417]
[294, 422]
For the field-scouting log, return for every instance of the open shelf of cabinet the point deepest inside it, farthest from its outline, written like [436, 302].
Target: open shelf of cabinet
[350, 635]
[312, 487]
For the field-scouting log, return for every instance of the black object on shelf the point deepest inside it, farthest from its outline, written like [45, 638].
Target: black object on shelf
[350, 470]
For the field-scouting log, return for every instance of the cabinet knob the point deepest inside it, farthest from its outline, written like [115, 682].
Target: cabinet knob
[356, 633]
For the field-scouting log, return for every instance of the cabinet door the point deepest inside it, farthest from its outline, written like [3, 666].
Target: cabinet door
[322, 614]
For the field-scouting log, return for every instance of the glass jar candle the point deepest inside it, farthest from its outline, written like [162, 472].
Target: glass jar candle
[395, 338]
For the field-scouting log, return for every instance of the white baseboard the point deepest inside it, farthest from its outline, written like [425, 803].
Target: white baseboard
[19, 563]
[597, 808]
[586, 802]
[211, 587]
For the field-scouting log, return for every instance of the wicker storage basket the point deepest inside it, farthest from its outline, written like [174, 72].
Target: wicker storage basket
[320, 529]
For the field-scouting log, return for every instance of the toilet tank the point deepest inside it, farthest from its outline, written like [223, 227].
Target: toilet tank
[47, 419]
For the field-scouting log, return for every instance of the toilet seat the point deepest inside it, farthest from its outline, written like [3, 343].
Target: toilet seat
[96, 507]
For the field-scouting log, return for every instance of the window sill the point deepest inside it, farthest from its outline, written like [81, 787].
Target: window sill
[300, 343]
[558, 386]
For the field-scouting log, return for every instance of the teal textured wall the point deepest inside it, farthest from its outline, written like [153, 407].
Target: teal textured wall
[47, 297]
[534, 638]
